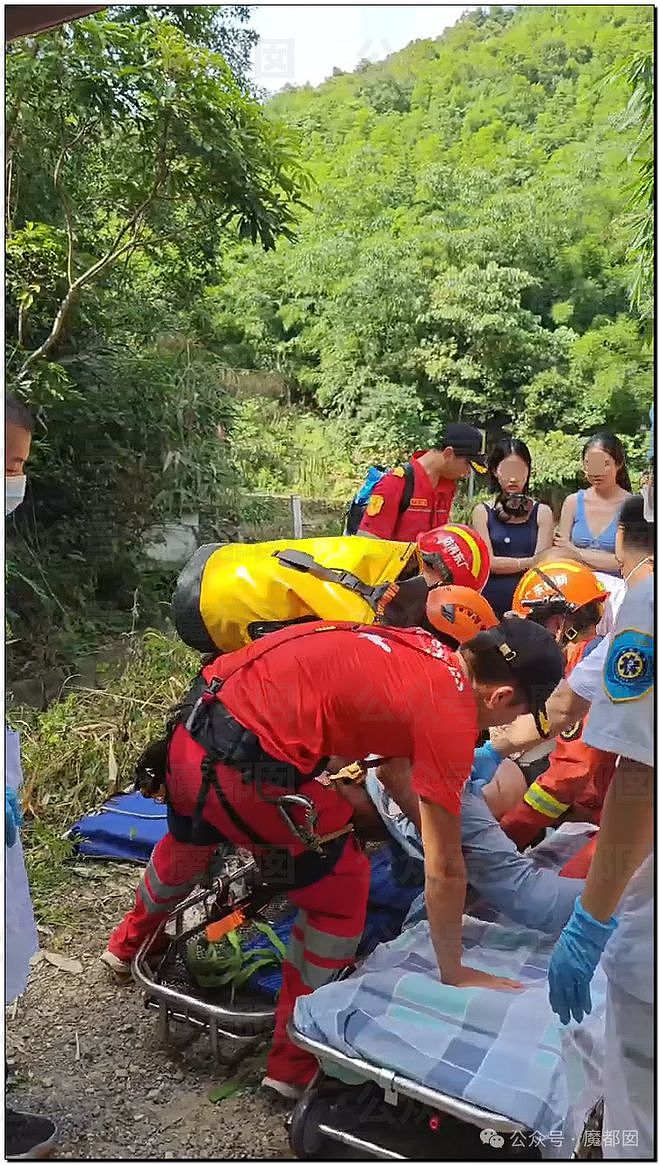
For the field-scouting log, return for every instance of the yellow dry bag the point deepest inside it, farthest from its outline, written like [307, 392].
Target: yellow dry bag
[228, 595]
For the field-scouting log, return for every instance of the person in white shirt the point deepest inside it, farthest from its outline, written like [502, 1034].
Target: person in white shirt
[621, 721]
[27, 1135]
[635, 545]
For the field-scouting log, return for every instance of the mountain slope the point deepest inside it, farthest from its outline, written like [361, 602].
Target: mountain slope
[466, 236]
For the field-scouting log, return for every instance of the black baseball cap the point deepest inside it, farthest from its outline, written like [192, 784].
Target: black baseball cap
[466, 441]
[535, 659]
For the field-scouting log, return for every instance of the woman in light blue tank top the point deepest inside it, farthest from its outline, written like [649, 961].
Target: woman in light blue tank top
[589, 518]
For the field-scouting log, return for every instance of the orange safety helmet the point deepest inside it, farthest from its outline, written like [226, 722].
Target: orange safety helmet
[458, 554]
[562, 587]
[459, 613]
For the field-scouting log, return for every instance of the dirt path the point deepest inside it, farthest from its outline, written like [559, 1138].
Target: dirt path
[86, 1052]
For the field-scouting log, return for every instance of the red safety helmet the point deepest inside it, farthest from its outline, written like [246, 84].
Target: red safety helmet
[458, 554]
[459, 613]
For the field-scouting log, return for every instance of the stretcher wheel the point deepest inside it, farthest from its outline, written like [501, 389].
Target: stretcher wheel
[307, 1141]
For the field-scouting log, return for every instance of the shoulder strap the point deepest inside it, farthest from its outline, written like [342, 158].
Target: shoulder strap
[298, 560]
[409, 485]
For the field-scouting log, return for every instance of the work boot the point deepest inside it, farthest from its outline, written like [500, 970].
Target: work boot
[28, 1137]
[284, 1091]
[121, 971]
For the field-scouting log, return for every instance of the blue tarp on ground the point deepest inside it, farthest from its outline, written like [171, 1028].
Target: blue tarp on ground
[126, 828]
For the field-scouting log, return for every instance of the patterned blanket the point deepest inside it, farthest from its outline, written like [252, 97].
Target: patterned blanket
[502, 1051]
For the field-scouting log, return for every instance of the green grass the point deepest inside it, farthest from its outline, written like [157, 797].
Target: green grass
[83, 749]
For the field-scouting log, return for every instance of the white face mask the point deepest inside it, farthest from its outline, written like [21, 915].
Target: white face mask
[14, 492]
[634, 570]
[647, 493]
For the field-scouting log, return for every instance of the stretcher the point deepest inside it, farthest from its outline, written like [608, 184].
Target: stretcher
[235, 1026]
[436, 1055]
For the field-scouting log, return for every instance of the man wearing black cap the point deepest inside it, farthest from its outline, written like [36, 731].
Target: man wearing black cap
[267, 721]
[435, 473]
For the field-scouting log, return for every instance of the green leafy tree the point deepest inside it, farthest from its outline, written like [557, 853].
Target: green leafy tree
[482, 347]
[128, 137]
[135, 159]
[639, 75]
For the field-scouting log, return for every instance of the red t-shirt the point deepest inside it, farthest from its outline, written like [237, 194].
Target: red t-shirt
[353, 692]
[429, 506]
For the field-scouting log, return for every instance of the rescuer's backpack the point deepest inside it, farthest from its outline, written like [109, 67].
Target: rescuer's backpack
[229, 595]
[358, 505]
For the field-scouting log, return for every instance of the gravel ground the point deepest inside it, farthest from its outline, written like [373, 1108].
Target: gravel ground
[86, 1052]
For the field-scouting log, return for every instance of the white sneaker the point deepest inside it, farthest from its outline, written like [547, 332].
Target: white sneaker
[120, 969]
[288, 1091]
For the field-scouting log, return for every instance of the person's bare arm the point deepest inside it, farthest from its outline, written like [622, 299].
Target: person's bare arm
[566, 519]
[546, 529]
[445, 886]
[480, 524]
[598, 560]
[395, 775]
[625, 838]
[498, 565]
[563, 708]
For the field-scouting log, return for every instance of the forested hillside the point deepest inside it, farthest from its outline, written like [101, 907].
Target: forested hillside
[451, 232]
[467, 247]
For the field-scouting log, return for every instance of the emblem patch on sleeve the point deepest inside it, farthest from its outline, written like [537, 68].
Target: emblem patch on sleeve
[628, 671]
[375, 505]
[572, 733]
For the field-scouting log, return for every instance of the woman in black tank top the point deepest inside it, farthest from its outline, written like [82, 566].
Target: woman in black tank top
[514, 526]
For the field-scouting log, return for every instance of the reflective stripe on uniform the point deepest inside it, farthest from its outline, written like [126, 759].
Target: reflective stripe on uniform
[167, 896]
[162, 890]
[324, 945]
[543, 802]
[307, 945]
[150, 904]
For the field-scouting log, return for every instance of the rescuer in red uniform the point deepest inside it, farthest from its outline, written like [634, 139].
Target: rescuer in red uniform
[258, 727]
[567, 598]
[435, 475]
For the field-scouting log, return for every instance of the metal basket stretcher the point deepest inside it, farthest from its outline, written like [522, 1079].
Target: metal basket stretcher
[327, 1112]
[168, 987]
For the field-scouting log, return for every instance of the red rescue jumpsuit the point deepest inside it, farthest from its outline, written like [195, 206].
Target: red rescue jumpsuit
[348, 692]
[430, 505]
[577, 777]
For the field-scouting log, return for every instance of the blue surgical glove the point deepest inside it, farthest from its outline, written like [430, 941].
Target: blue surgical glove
[573, 962]
[13, 816]
[485, 763]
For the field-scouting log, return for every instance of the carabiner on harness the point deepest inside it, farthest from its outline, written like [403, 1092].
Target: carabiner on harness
[305, 833]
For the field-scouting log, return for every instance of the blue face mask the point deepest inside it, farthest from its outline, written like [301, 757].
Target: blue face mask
[14, 492]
